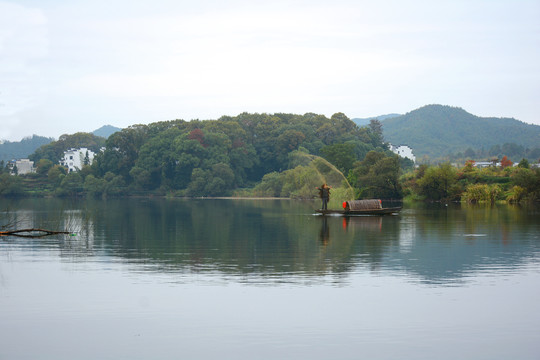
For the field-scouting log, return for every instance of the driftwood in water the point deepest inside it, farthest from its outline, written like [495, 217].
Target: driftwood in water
[33, 233]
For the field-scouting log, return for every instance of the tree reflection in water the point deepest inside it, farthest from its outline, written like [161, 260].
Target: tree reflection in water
[283, 238]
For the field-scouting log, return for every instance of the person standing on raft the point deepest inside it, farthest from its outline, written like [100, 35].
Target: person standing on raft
[324, 193]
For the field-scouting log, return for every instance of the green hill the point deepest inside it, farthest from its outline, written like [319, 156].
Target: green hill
[365, 121]
[106, 131]
[10, 150]
[21, 149]
[438, 130]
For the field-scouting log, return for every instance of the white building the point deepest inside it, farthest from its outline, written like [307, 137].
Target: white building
[24, 166]
[403, 151]
[485, 164]
[75, 159]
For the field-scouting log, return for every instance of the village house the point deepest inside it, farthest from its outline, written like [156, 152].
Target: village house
[485, 164]
[23, 166]
[403, 151]
[75, 159]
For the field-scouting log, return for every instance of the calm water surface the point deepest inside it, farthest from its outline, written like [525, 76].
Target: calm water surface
[268, 279]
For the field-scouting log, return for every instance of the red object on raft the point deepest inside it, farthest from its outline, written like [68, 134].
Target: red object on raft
[362, 207]
[369, 204]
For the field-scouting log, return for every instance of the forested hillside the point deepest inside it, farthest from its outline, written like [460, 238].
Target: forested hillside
[267, 155]
[105, 131]
[215, 157]
[436, 131]
[21, 149]
[54, 151]
[365, 121]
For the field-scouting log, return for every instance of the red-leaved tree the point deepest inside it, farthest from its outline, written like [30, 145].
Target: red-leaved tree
[506, 162]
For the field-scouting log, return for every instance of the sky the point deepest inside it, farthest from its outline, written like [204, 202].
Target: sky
[70, 66]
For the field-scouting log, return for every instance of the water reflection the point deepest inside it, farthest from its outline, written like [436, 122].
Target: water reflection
[325, 231]
[164, 278]
[284, 240]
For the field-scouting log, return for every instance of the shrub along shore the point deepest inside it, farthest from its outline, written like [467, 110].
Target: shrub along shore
[261, 155]
[444, 183]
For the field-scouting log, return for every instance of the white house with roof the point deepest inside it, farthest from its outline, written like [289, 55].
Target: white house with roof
[75, 159]
[24, 166]
[403, 151]
[485, 164]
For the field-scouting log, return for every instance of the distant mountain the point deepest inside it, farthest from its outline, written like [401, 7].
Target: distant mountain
[438, 130]
[21, 149]
[365, 121]
[106, 131]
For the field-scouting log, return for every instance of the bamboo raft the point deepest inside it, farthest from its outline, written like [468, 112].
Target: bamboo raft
[362, 207]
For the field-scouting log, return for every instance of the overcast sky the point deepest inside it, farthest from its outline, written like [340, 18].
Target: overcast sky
[68, 66]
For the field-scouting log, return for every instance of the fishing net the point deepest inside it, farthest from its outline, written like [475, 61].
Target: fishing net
[309, 172]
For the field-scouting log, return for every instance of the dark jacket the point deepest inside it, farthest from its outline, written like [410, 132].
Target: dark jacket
[324, 192]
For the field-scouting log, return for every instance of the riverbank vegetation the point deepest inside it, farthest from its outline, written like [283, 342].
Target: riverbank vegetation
[446, 183]
[261, 155]
[254, 154]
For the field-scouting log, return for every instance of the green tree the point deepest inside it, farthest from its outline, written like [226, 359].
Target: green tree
[115, 186]
[142, 179]
[71, 185]
[218, 147]
[516, 194]
[270, 185]
[199, 179]
[122, 150]
[10, 185]
[406, 164]
[189, 156]
[158, 159]
[376, 128]
[341, 155]
[55, 175]
[243, 159]
[482, 193]
[300, 182]
[377, 176]
[524, 163]
[215, 181]
[529, 180]
[288, 141]
[43, 166]
[94, 187]
[439, 183]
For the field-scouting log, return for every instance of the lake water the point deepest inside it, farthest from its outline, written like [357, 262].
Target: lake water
[268, 279]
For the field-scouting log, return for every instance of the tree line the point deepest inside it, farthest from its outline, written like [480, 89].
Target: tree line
[495, 152]
[200, 158]
[445, 183]
[278, 155]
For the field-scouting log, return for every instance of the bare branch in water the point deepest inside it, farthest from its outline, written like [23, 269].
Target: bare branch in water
[31, 233]
[22, 224]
